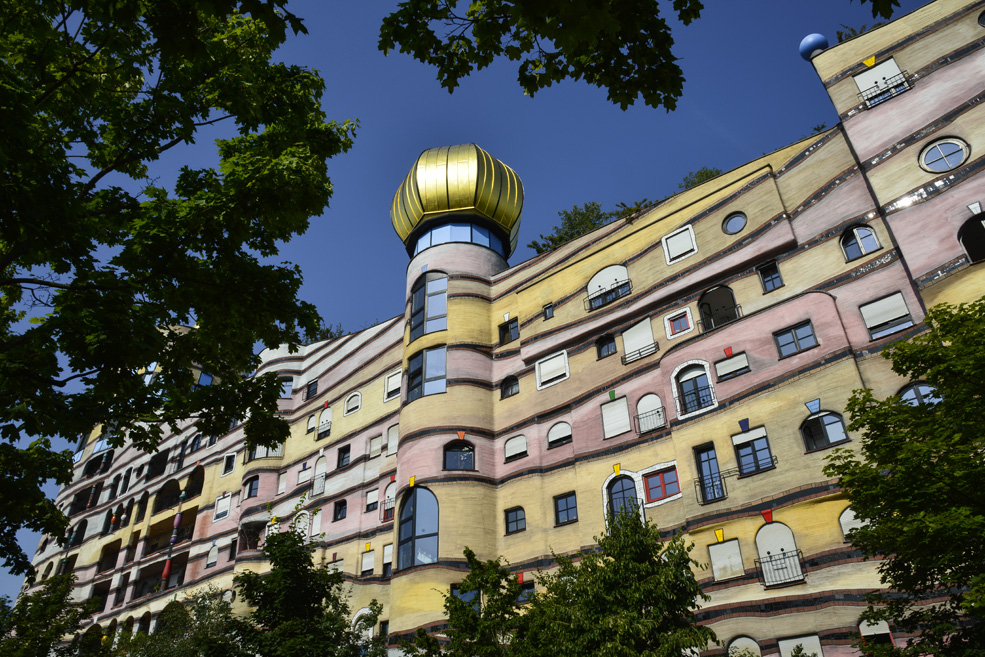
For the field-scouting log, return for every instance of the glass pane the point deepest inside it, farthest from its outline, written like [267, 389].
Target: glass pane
[805, 336]
[437, 285]
[480, 235]
[426, 550]
[439, 324]
[427, 513]
[434, 364]
[496, 244]
[405, 555]
[868, 238]
[784, 342]
[437, 305]
[434, 387]
[834, 429]
[440, 235]
[461, 233]
[852, 249]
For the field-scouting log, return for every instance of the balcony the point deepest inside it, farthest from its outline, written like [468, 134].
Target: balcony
[325, 429]
[607, 295]
[388, 506]
[651, 421]
[890, 88]
[642, 352]
[711, 488]
[719, 317]
[781, 568]
[695, 399]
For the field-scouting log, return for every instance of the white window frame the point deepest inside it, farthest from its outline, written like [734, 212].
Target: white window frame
[558, 379]
[674, 389]
[375, 446]
[658, 467]
[230, 470]
[392, 439]
[286, 386]
[694, 245]
[347, 408]
[637, 484]
[725, 549]
[215, 511]
[677, 313]
[511, 446]
[391, 385]
[614, 406]
[281, 483]
[305, 473]
[902, 322]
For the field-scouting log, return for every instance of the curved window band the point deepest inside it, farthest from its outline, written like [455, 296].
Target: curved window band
[459, 232]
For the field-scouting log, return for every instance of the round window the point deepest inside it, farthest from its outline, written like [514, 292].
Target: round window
[944, 155]
[734, 223]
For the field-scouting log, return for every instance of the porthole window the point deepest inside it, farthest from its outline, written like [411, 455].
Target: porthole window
[734, 223]
[944, 155]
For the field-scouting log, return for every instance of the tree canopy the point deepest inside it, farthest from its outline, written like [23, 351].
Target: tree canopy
[916, 484]
[34, 626]
[101, 268]
[622, 46]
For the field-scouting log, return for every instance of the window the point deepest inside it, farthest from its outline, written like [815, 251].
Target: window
[515, 448]
[711, 486]
[752, 451]
[311, 389]
[352, 403]
[526, 592]
[469, 597]
[281, 483]
[694, 392]
[426, 373]
[368, 563]
[726, 560]
[195, 445]
[944, 155]
[509, 387]
[718, 307]
[874, 634]
[213, 557]
[429, 305]
[823, 430]
[372, 500]
[286, 384]
[734, 223]
[661, 485]
[637, 341]
[878, 84]
[392, 439]
[343, 457]
[311, 423]
[622, 496]
[388, 501]
[516, 520]
[971, 235]
[228, 464]
[649, 414]
[858, 241]
[560, 434]
[810, 644]
[509, 331]
[615, 418]
[679, 245]
[745, 644]
[391, 385]
[548, 311]
[388, 560]
[605, 346]
[849, 521]
[769, 276]
[251, 487]
[795, 339]
[606, 286]
[418, 529]
[918, 394]
[304, 474]
[204, 379]
[678, 323]
[338, 513]
[732, 367]
[885, 316]
[459, 456]
[325, 424]
[222, 507]
[552, 369]
[375, 446]
[565, 509]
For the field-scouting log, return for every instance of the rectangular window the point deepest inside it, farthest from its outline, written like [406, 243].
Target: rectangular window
[368, 563]
[325, 425]
[526, 591]
[795, 339]
[732, 367]
[285, 388]
[885, 316]
[637, 341]
[615, 418]
[661, 485]
[565, 509]
[304, 474]
[679, 245]
[375, 446]
[343, 459]
[391, 386]
[678, 323]
[392, 438]
[552, 369]
[222, 507]
[387, 560]
[711, 486]
[726, 560]
[516, 520]
[281, 483]
[769, 276]
[471, 597]
[204, 379]
[373, 499]
[228, 464]
[339, 511]
[752, 451]
[311, 389]
[233, 544]
[509, 331]
[549, 311]
[426, 373]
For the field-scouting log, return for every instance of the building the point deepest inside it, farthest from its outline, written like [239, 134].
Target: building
[693, 360]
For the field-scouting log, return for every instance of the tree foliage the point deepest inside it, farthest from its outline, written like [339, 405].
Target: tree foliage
[917, 483]
[100, 266]
[578, 221]
[39, 620]
[622, 46]
[695, 178]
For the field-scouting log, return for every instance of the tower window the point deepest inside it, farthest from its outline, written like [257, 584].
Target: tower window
[429, 305]
[426, 373]
[509, 331]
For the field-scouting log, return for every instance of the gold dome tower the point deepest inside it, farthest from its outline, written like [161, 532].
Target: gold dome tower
[460, 182]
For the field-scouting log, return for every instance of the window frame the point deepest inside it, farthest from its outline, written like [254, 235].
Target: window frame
[548, 311]
[340, 510]
[420, 307]
[675, 259]
[754, 442]
[856, 238]
[605, 346]
[518, 520]
[510, 387]
[391, 392]
[766, 280]
[561, 440]
[894, 325]
[509, 331]
[418, 370]
[541, 384]
[251, 487]
[216, 515]
[226, 467]
[461, 448]
[409, 514]
[963, 149]
[570, 499]
[342, 458]
[729, 218]
[286, 386]
[928, 397]
[670, 318]
[310, 390]
[519, 454]
[792, 332]
[660, 476]
[817, 416]
[355, 397]
[680, 398]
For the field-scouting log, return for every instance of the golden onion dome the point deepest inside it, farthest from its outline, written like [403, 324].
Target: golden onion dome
[461, 179]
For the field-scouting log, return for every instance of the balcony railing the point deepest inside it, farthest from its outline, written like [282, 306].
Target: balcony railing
[894, 86]
[388, 506]
[606, 296]
[650, 421]
[781, 568]
[720, 317]
[324, 429]
[696, 399]
[711, 488]
[643, 352]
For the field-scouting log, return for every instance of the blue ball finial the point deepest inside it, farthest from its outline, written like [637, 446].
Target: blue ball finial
[812, 46]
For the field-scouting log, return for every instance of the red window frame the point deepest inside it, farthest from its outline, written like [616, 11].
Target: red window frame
[661, 484]
[675, 327]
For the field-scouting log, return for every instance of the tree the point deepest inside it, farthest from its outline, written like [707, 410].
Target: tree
[301, 610]
[575, 222]
[39, 620]
[916, 481]
[323, 332]
[101, 268]
[695, 178]
[622, 46]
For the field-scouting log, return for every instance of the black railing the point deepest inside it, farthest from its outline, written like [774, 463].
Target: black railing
[695, 400]
[639, 353]
[711, 488]
[720, 317]
[606, 296]
[651, 420]
[893, 86]
[781, 568]
[757, 465]
[388, 505]
[324, 429]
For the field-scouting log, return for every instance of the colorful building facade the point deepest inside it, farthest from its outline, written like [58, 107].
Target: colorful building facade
[692, 361]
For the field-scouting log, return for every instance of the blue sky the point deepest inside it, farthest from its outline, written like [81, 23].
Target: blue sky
[747, 93]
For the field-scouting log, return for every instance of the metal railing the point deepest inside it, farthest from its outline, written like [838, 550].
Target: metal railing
[650, 421]
[643, 352]
[711, 488]
[388, 506]
[720, 317]
[606, 296]
[893, 86]
[696, 399]
[781, 568]
[324, 429]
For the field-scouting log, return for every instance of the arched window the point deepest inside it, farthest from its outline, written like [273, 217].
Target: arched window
[849, 521]
[311, 423]
[47, 571]
[779, 559]
[417, 535]
[605, 346]
[251, 487]
[195, 482]
[509, 387]
[352, 403]
[649, 414]
[301, 524]
[608, 285]
[717, 307]
[743, 645]
[694, 391]
[388, 500]
[459, 456]
[560, 434]
[918, 394]
[213, 556]
[108, 522]
[622, 496]
[321, 471]
[79, 534]
[858, 241]
[515, 448]
[168, 496]
[822, 430]
[325, 424]
[971, 235]
[429, 305]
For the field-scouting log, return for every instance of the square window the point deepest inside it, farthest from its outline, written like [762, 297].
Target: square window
[516, 520]
[526, 591]
[752, 451]
[343, 459]
[769, 276]
[509, 331]
[661, 485]
[311, 389]
[886, 316]
[795, 339]
[678, 323]
[679, 245]
[339, 511]
[726, 560]
[565, 509]
[605, 346]
[471, 597]
[372, 500]
[552, 369]
[549, 311]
